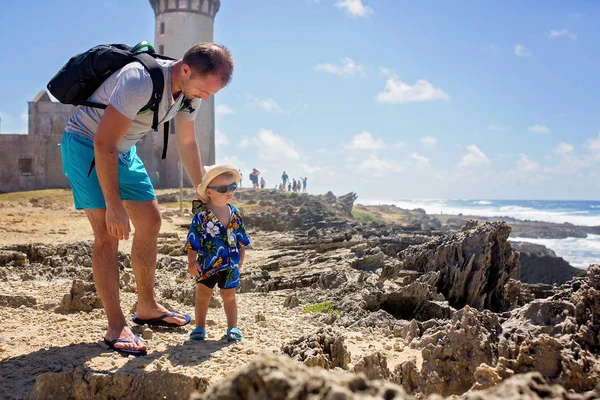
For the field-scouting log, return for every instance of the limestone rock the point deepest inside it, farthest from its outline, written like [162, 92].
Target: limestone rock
[531, 386]
[85, 384]
[474, 265]
[374, 366]
[273, 376]
[82, 297]
[324, 348]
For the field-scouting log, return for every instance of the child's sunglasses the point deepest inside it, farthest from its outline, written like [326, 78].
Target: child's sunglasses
[225, 188]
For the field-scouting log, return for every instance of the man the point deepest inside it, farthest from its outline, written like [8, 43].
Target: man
[119, 189]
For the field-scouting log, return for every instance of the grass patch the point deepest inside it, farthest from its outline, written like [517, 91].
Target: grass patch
[321, 307]
[55, 195]
[365, 216]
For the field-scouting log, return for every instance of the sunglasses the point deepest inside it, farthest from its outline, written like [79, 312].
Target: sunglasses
[224, 189]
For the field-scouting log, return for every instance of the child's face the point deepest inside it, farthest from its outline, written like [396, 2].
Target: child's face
[220, 181]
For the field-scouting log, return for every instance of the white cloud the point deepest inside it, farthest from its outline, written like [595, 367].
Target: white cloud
[268, 104]
[562, 33]
[386, 72]
[522, 51]
[399, 145]
[242, 166]
[221, 139]
[375, 166]
[474, 158]
[354, 7]
[539, 129]
[348, 68]
[397, 91]
[594, 146]
[10, 124]
[429, 141]
[245, 142]
[563, 148]
[224, 109]
[500, 127]
[421, 161]
[526, 165]
[364, 141]
[275, 148]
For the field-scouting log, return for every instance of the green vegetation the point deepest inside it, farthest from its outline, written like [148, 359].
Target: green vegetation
[365, 216]
[321, 307]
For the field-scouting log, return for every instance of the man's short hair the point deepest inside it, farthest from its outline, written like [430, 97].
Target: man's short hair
[210, 58]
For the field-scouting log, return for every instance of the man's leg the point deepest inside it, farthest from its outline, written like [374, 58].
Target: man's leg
[145, 217]
[106, 277]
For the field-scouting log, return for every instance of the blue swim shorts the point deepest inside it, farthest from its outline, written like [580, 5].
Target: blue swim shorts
[77, 154]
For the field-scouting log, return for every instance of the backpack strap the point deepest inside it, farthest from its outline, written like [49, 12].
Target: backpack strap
[187, 104]
[165, 139]
[158, 83]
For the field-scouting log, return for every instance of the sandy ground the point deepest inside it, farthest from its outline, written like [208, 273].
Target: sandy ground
[36, 339]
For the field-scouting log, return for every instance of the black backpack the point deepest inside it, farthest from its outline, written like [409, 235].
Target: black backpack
[84, 73]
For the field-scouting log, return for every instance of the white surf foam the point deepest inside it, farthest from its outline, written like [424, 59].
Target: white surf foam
[437, 206]
[579, 252]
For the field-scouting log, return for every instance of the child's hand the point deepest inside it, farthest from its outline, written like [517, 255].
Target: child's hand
[193, 269]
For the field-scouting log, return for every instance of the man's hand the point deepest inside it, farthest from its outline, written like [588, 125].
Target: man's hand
[117, 222]
[193, 269]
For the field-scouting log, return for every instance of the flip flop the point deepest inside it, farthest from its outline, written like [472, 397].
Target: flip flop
[198, 334]
[125, 352]
[233, 334]
[160, 321]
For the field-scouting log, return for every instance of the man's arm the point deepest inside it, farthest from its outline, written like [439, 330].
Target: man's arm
[188, 150]
[112, 128]
[242, 257]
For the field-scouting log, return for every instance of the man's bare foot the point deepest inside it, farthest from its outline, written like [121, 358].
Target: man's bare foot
[156, 311]
[126, 334]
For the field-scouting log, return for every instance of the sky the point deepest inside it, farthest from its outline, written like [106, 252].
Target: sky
[392, 100]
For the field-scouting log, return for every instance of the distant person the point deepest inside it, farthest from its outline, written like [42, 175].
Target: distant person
[110, 183]
[240, 171]
[215, 247]
[285, 178]
[304, 184]
[157, 177]
[262, 182]
[289, 187]
[294, 185]
[254, 178]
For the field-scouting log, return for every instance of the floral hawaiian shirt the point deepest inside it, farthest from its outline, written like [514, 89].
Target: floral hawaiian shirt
[217, 246]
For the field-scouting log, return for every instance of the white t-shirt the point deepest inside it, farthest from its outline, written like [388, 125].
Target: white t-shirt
[128, 90]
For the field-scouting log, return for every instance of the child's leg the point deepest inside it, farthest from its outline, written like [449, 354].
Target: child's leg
[230, 306]
[203, 296]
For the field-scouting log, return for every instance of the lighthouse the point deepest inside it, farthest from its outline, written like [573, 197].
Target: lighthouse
[179, 25]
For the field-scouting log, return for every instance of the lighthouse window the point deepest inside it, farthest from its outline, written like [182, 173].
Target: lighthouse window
[162, 27]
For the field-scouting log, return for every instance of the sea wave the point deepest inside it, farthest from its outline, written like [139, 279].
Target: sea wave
[579, 252]
[437, 206]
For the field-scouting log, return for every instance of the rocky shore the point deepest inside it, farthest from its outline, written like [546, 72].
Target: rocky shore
[337, 301]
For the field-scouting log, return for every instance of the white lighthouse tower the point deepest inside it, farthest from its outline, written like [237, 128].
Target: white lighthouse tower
[179, 25]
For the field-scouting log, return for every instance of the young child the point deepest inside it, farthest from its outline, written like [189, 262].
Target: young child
[216, 246]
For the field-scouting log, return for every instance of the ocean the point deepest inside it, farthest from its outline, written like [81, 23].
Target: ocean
[578, 252]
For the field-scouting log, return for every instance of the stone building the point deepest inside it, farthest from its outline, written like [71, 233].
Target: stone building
[33, 161]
